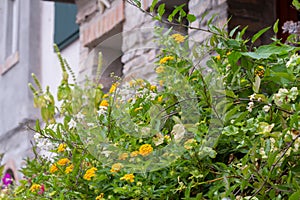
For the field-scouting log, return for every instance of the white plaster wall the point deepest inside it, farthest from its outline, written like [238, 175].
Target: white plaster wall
[50, 67]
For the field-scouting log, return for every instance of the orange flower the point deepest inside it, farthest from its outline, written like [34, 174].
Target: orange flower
[63, 161]
[145, 149]
[104, 103]
[90, 173]
[53, 168]
[134, 154]
[116, 167]
[61, 147]
[69, 169]
[35, 187]
[166, 59]
[123, 156]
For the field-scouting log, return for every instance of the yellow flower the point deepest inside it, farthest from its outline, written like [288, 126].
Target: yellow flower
[160, 98]
[218, 57]
[161, 82]
[35, 187]
[123, 156]
[116, 167]
[104, 103]
[137, 109]
[228, 53]
[100, 197]
[128, 177]
[113, 88]
[69, 169]
[153, 87]
[134, 154]
[90, 173]
[63, 161]
[260, 71]
[160, 69]
[53, 168]
[61, 147]
[145, 149]
[189, 144]
[105, 96]
[165, 59]
[178, 37]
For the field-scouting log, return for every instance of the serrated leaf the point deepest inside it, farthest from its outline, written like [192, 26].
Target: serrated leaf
[259, 33]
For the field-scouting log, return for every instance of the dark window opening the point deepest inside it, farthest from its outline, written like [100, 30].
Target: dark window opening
[66, 30]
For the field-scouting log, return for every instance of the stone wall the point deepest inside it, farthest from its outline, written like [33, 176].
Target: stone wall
[208, 8]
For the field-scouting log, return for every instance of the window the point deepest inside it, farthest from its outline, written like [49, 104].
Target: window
[10, 34]
[66, 30]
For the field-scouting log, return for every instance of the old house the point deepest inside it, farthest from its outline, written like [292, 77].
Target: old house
[82, 28]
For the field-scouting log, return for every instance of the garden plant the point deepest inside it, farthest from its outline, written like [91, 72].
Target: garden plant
[220, 122]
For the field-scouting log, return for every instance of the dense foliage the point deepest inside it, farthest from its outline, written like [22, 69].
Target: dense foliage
[227, 128]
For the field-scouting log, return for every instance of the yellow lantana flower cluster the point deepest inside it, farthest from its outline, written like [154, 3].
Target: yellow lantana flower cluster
[166, 59]
[35, 187]
[100, 197]
[63, 161]
[61, 147]
[90, 173]
[178, 37]
[128, 177]
[113, 87]
[53, 168]
[69, 169]
[116, 167]
[104, 103]
[160, 69]
[145, 149]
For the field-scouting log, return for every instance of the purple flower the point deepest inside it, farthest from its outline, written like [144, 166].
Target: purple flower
[7, 179]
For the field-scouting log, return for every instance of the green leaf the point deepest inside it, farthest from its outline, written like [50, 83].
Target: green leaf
[275, 26]
[191, 18]
[138, 3]
[154, 2]
[295, 196]
[233, 31]
[259, 33]
[161, 10]
[296, 4]
[256, 84]
[266, 51]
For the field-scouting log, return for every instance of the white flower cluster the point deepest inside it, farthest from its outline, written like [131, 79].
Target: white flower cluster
[293, 61]
[285, 96]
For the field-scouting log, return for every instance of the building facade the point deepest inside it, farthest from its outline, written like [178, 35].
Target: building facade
[119, 30]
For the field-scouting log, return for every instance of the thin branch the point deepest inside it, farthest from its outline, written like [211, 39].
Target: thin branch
[171, 23]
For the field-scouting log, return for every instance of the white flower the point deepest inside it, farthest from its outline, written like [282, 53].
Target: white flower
[266, 108]
[252, 97]
[259, 99]
[102, 110]
[72, 124]
[79, 115]
[90, 124]
[250, 106]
